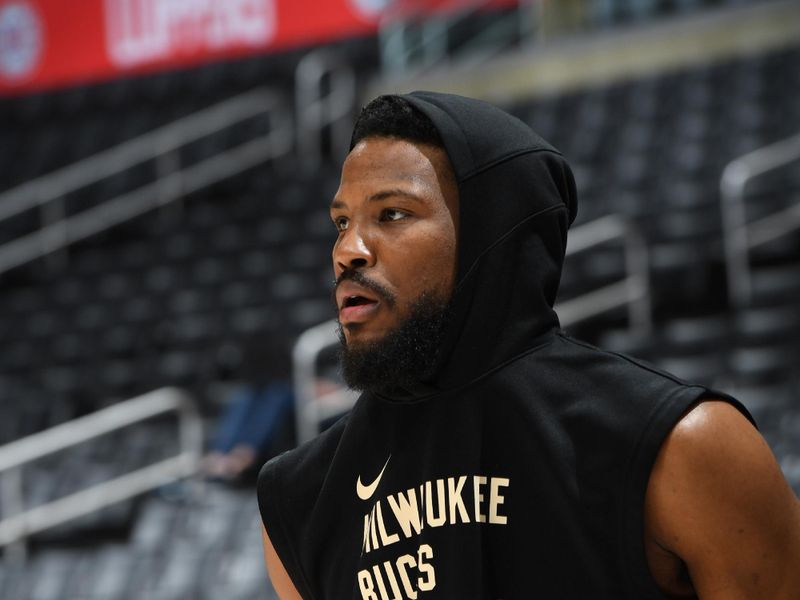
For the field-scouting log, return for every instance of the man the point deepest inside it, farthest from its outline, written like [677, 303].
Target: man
[490, 455]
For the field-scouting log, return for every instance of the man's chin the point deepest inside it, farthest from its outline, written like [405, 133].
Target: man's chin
[383, 359]
[362, 334]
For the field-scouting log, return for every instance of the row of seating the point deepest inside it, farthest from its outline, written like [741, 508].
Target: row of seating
[170, 297]
[161, 294]
[48, 130]
[181, 546]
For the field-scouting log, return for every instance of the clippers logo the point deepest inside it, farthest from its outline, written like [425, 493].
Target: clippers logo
[140, 31]
[20, 40]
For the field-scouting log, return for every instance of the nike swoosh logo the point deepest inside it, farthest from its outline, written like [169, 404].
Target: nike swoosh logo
[365, 491]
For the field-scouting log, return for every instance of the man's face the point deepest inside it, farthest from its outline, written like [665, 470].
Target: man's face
[396, 211]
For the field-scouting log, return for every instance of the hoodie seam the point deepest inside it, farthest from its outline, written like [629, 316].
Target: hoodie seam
[506, 157]
[503, 238]
[633, 361]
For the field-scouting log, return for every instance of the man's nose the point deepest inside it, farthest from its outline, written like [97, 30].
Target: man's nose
[353, 250]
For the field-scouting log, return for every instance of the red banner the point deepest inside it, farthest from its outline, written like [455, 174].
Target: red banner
[50, 43]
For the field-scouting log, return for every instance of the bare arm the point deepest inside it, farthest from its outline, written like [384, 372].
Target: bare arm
[718, 501]
[277, 572]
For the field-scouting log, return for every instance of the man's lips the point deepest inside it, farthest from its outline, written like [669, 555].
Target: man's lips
[356, 303]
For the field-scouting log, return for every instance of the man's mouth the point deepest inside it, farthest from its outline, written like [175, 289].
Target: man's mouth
[356, 301]
[358, 298]
[356, 309]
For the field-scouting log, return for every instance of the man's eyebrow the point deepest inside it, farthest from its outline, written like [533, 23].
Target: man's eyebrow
[382, 195]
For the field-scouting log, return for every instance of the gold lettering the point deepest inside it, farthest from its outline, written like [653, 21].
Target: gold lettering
[439, 520]
[455, 499]
[376, 569]
[386, 538]
[396, 595]
[366, 586]
[365, 547]
[422, 501]
[495, 500]
[402, 563]
[372, 529]
[406, 511]
[427, 584]
[478, 481]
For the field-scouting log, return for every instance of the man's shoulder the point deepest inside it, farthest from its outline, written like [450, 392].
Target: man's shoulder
[305, 464]
[597, 360]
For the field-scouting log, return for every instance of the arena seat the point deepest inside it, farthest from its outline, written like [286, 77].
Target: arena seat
[159, 299]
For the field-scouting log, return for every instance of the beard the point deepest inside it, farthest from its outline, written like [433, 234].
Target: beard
[403, 358]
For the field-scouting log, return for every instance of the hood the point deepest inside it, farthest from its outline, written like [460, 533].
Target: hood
[516, 202]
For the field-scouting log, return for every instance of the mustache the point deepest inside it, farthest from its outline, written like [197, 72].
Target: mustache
[358, 277]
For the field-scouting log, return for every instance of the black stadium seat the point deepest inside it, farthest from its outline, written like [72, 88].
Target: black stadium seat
[170, 297]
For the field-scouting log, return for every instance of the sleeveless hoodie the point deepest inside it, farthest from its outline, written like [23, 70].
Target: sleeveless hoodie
[519, 472]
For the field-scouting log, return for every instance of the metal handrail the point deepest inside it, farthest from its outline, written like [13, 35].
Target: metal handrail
[21, 524]
[47, 192]
[739, 236]
[316, 111]
[430, 45]
[633, 291]
[310, 410]
[432, 42]
[133, 152]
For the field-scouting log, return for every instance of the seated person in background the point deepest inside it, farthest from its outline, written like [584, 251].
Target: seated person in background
[491, 456]
[259, 410]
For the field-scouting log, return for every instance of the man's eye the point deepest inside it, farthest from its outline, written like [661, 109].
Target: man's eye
[392, 214]
[341, 223]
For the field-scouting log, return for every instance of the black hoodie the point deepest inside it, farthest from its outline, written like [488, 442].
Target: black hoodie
[520, 470]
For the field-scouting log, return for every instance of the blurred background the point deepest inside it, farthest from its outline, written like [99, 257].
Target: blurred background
[165, 172]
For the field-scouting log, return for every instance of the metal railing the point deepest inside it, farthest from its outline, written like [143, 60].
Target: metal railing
[740, 236]
[317, 110]
[47, 193]
[311, 409]
[411, 41]
[18, 524]
[633, 291]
